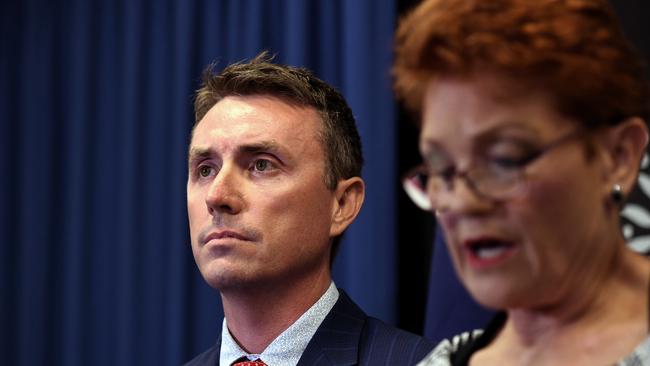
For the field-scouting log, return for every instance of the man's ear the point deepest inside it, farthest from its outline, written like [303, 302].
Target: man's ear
[349, 195]
[625, 145]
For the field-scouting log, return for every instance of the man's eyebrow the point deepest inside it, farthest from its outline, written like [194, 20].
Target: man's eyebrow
[258, 147]
[199, 153]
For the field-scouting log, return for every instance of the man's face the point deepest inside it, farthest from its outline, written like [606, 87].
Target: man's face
[259, 209]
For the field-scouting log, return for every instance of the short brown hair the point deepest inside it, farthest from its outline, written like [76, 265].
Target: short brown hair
[573, 50]
[339, 136]
[298, 86]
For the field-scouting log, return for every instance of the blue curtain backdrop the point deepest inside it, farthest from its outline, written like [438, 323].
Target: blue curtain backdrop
[95, 110]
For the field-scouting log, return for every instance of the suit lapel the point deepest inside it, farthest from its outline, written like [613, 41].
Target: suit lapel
[217, 346]
[336, 342]
[208, 358]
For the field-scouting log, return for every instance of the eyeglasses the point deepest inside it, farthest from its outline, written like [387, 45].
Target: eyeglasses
[496, 179]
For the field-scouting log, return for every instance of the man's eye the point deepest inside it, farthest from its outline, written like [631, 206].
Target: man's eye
[204, 171]
[261, 165]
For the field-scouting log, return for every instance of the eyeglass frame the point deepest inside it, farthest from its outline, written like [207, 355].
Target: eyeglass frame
[420, 195]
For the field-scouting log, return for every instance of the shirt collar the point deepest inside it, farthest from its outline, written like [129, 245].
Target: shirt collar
[289, 346]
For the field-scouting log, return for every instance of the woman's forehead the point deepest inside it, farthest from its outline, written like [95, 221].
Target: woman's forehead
[471, 108]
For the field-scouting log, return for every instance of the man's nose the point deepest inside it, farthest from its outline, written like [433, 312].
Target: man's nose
[224, 194]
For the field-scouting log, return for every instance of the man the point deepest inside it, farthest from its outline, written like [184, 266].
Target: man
[274, 180]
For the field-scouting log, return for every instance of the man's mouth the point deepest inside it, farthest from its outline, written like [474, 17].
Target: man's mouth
[224, 234]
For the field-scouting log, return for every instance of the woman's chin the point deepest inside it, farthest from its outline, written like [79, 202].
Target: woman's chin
[499, 296]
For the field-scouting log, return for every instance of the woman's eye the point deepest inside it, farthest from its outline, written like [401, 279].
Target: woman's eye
[510, 162]
[509, 155]
[204, 171]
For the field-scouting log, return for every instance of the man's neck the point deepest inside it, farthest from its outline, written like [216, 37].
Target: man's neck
[256, 316]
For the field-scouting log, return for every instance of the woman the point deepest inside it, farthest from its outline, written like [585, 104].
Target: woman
[532, 130]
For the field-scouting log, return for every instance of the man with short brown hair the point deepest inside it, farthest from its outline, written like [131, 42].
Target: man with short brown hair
[274, 181]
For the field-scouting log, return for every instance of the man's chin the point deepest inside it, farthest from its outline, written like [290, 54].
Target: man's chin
[222, 277]
[238, 282]
[220, 280]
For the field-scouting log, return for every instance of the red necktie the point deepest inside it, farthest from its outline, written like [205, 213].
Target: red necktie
[257, 362]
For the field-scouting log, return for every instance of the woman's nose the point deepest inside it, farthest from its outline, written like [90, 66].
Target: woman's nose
[458, 195]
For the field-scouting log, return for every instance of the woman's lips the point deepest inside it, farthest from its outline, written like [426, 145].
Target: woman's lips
[486, 252]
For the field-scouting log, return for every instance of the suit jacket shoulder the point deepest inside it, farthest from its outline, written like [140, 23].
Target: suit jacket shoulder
[209, 357]
[348, 336]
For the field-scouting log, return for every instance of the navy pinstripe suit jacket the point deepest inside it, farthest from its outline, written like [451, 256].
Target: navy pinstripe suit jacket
[348, 336]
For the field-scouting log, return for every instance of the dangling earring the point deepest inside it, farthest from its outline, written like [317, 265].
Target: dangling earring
[617, 194]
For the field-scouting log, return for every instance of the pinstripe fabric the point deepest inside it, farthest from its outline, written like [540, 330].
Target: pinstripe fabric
[348, 336]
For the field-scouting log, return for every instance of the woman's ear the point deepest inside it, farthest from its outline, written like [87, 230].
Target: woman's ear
[349, 197]
[626, 143]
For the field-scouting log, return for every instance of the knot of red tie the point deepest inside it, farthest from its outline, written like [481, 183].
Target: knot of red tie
[257, 362]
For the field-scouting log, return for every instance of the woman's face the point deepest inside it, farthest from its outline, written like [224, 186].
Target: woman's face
[530, 249]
